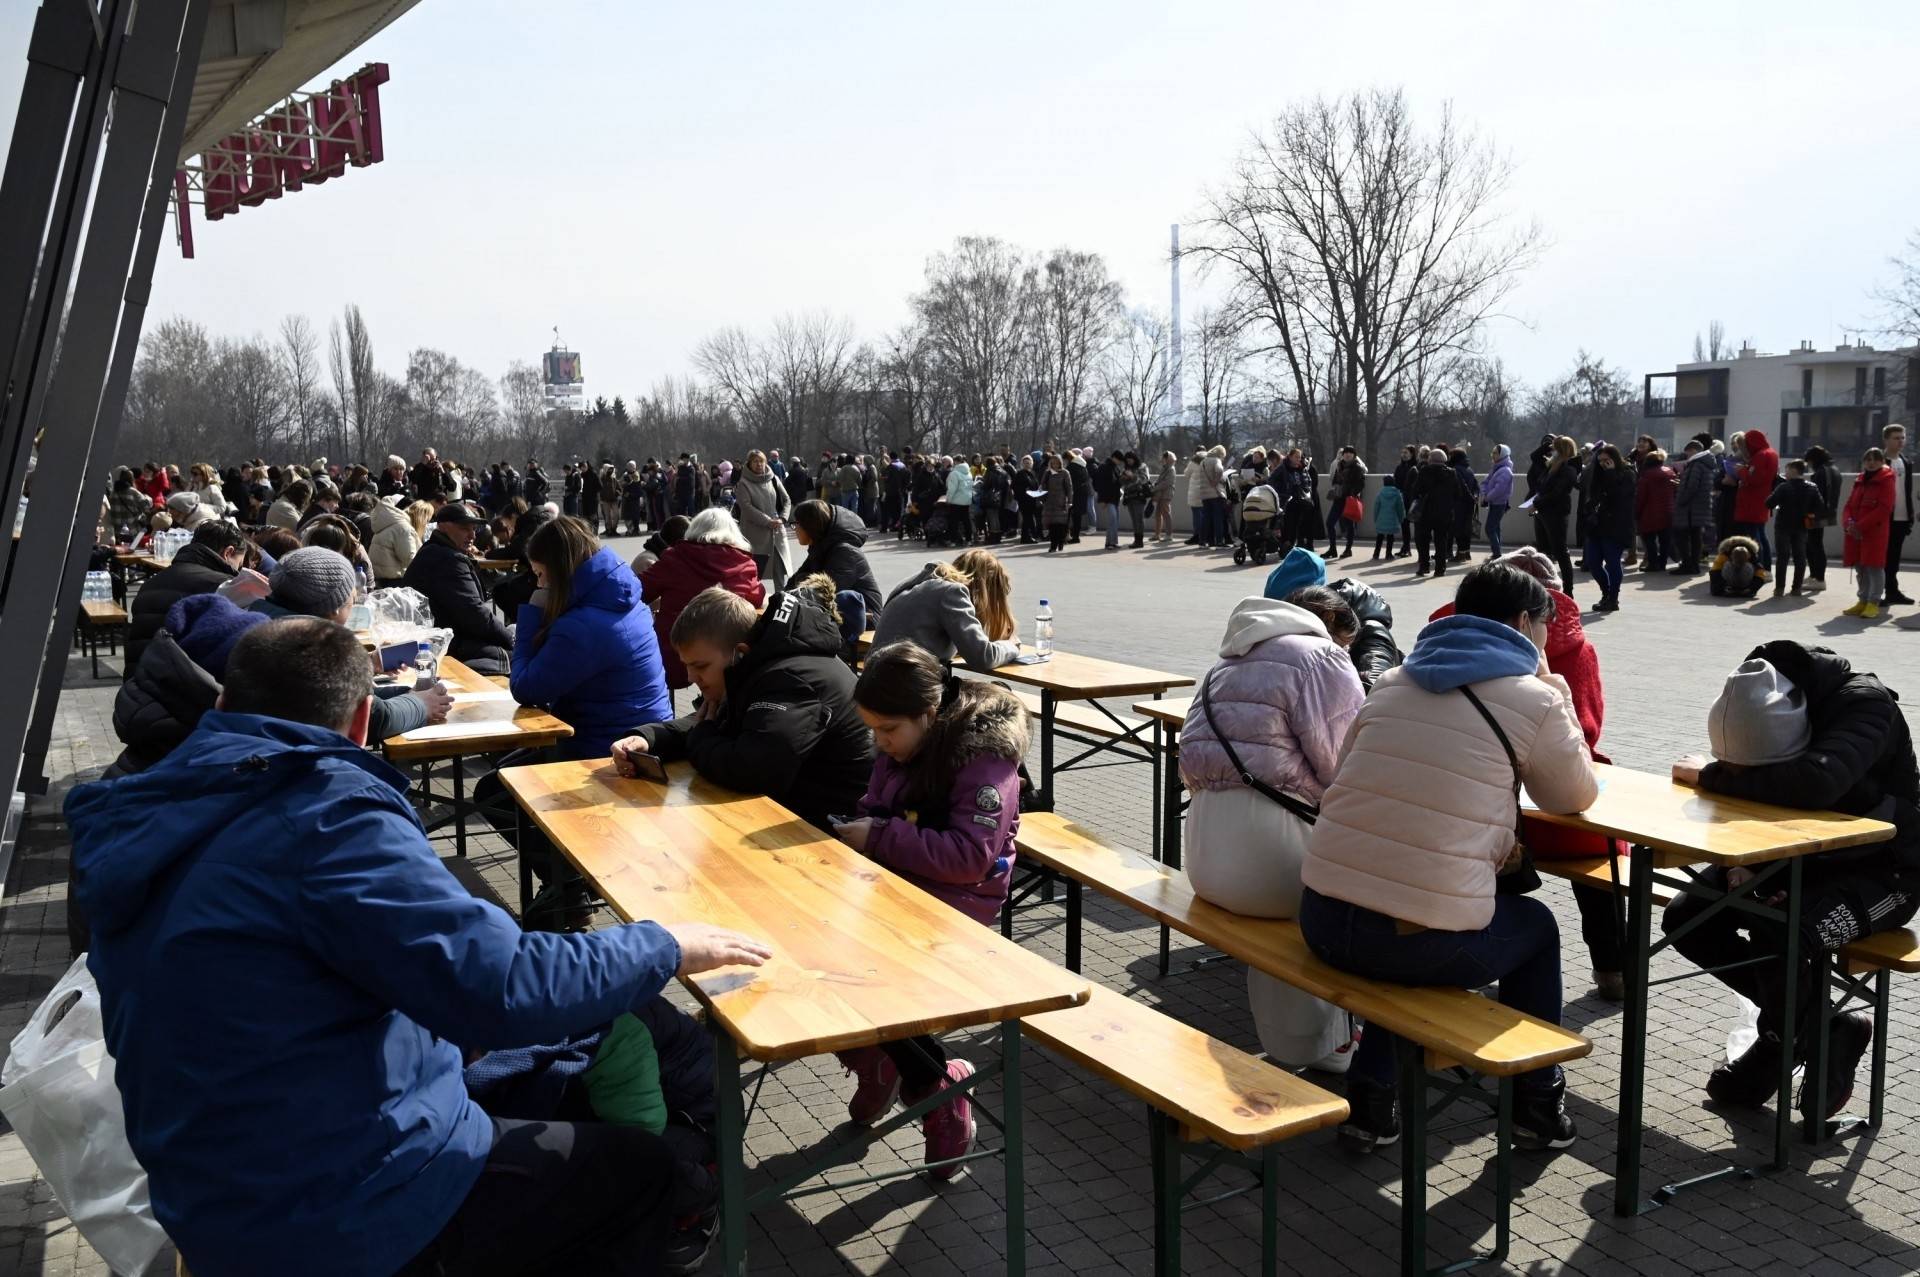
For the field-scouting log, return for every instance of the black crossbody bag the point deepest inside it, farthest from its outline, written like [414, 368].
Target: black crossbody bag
[1525, 878]
[1304, 811]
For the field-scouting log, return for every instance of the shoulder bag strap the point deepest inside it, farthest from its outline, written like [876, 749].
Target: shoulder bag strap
[1513, 759]
[1304, 811]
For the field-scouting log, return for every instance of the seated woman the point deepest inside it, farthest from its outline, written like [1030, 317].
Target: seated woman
[963, 607]
[1402, 879]
[832, 538]
[711, 552]
[1276, 706]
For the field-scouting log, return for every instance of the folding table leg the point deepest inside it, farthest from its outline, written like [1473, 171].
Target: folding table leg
[1413, 1157]
[1633, 1032]
[1164, 1141]
[1270, 1210]
[1789, 1016]
[459, 806]
[520, 829]
[1013, 1111]
[1073, 925]
[730, 1140]
[1882, 985]
[1818, 1062]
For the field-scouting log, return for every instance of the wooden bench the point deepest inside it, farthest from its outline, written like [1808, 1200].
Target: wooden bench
[101, 616]
[1437, 1029]
[1200, 1092]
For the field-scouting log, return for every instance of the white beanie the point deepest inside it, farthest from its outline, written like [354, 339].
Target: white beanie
[1759, 717]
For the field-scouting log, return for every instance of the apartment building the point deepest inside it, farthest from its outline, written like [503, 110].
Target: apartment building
[1838, 398]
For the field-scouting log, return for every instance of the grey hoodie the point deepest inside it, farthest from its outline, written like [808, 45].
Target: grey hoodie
[938, 615]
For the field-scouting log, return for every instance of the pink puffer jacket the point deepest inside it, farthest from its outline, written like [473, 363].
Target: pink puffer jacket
[1284, 694]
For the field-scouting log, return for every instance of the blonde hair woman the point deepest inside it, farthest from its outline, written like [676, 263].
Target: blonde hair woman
[962, 608]
[205, 481]
[420, 513]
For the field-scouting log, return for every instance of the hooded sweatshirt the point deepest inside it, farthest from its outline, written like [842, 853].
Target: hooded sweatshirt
[1757, 474]
[939, 615]
[597, 667]
[1283, 693]
[288, 978]
[837, 552]
[1421, 813]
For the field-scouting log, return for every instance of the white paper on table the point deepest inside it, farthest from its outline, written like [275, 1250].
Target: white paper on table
[463, 697]
[454, 731]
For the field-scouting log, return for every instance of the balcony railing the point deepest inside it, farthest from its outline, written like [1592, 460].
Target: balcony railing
[1688, 406]
[1851, 397]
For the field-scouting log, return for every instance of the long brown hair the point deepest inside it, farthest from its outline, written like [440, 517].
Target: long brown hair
[987, 582]
[1564, 449]
[560, 546]
[904, 680]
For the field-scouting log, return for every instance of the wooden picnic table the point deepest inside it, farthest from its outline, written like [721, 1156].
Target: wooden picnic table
[1671, 827]
[1167, 717]
[485, 719]
[497, 565]
[100, 616]
[860, 955]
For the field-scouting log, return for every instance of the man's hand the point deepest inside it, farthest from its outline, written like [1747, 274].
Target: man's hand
[855, 835]
[1686, 769]
[625, 746]
[703, 947]
[438, 701]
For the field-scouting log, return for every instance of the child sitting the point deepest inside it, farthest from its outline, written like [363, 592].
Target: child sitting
[1797, 509]
[1389, 512]
[1736, 569]
[941, 811]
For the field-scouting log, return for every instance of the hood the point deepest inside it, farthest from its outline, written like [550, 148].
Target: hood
[1254, 621]
[792, 625]
[1459, 650]
[1756, 442]
[846, 527]
[923, 575]
[606, 583]
[387, 515]
[129, 833]
[1748, 544]
[1301, 568]
[1368, 604]
[1817, 671]
[1503, 455]
[998, 730]
[206, 626]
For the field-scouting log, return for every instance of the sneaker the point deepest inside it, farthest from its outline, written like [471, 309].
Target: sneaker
[1374, 1119]
[1340, 1059]
[949, 1128]
[877, 1085]
[1541, 1120]
[1858, 609]
[1869, 610]
[1849, 1039]
[1750, 1081]
[1611, 986]
[687, 1247]
[1815, 584]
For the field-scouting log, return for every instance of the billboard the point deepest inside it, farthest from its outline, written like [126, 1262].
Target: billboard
[563, 368]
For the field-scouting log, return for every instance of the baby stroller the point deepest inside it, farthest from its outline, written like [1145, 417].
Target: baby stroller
[1259, 513]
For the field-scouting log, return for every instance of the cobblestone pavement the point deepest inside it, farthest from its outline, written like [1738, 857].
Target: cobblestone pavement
[1850, 1208]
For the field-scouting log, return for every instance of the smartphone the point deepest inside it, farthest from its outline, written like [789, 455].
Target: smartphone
[647, 767]
[837, 821]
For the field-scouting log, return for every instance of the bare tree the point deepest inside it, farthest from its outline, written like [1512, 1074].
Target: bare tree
[1713, 346]
[523, 408]
[974, 310]
[1361, 247]
[1138, 375]
[1901, 297]
[250, 391]
[1073, 316]
[300, 364]
[1589, 403]
[791, 387]
[365, 402]
[433, 382]
[1220, 356]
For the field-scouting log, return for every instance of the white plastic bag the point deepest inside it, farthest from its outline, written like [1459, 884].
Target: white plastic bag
[1744, 1030]
[58, 1093]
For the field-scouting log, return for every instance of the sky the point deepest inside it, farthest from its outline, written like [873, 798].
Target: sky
[643, 174]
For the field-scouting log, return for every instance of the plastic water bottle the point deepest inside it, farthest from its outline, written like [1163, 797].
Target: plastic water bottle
[1043, 631]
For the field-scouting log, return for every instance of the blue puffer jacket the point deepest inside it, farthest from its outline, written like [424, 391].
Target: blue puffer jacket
[288, 979]
[598, 669]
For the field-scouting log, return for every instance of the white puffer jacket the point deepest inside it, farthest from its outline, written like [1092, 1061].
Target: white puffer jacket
[394, 542]
[1420, 816]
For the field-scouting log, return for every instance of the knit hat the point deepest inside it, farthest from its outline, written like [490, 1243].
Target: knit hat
[1301, 568]
[1759, 717]
[206, 626]
[314, 581]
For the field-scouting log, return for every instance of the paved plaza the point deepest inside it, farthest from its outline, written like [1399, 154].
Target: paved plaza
[1853, 1207]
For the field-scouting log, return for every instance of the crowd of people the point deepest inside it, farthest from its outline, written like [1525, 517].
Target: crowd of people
[530, 1083]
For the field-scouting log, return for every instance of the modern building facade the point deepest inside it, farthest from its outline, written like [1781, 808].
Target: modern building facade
[1838, 398]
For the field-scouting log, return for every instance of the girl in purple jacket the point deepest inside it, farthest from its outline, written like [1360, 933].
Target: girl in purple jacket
[941, 811]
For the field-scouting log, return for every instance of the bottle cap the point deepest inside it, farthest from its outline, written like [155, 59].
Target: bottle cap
[1043, 603]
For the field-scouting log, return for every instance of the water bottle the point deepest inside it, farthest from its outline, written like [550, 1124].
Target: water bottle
[424, 668]
[1043, 631]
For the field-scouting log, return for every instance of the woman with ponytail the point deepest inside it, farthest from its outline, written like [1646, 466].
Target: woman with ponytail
[942, 811]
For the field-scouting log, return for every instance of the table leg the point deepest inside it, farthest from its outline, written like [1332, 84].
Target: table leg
[520, 829]
[1158, 762]
[1789, 1010]
[730, 1143]
[1048, 704]
[1170, 807]
[1012, 1110]
[1633, 1031]
[459, 805]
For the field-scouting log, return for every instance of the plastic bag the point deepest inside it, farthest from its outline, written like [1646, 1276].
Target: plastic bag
[57, 1091]
[1744, 1030]
[399, 614]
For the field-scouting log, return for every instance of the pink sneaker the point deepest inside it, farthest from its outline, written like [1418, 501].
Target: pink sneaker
[949, 1128]
[878, 1084]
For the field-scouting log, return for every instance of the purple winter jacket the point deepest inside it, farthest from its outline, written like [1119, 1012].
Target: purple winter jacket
[963, 856]
[1284, 694]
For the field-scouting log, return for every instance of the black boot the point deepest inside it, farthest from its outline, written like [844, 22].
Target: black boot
[1851, 1036]
[1540, 1118]
[1751, 1080]
[1375, 1118]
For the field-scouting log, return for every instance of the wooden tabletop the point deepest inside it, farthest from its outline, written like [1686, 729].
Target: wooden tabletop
[861, 956]
[1076, 678]
[1692, 826]
[103, 612]
[142, 559]
[484, 719]
[1172, 711]
[497, 565]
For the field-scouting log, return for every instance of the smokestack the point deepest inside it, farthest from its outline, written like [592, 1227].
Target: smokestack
[1179, 407]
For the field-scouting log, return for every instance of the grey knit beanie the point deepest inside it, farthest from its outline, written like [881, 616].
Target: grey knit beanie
[1759, 717]
[314, 580]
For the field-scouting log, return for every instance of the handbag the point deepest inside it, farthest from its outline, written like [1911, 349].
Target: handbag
[1525, 878]
[1352, 510]
[1308, 813]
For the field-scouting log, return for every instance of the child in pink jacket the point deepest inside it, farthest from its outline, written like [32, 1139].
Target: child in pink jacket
[941, 811]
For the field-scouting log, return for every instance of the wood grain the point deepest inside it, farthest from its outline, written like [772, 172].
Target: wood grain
[103, 613]
[1691, 826]
[1170, 711]
[476, 700]
[1455, 1025]
[861, 956]
[1219, 1090]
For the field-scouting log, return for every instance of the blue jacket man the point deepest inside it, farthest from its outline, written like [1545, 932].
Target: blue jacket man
[289, 978]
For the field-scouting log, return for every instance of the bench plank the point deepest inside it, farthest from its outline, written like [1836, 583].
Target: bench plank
[1457, 1026]
[1595, 872]
[1233, 1098]
[1895, 950]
